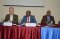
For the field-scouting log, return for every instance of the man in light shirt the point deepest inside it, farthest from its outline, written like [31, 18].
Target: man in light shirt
[28, 18]
[11, 17]
[48, 18]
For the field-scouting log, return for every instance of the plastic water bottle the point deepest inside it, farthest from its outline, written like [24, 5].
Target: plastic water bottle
[51, 24]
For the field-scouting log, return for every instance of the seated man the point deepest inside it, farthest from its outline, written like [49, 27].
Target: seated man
[11, 17]
[28, 18]
[48, 18]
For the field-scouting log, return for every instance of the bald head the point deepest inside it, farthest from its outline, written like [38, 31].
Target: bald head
[11, 10]
[49, 13]
[28, 13]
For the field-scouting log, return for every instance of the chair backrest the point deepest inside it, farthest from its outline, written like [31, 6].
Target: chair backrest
[59, 22]
[1, 23]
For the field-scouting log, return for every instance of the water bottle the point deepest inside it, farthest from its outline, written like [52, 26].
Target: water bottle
[51, 23]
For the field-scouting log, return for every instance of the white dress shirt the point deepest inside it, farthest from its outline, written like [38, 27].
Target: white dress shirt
[11, 17]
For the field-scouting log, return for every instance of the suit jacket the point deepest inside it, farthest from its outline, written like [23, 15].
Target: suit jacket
[32, 19]
[15, 18]
[44, 19]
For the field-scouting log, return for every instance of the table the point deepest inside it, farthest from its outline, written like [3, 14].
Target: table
[17, 32]
[50, 33]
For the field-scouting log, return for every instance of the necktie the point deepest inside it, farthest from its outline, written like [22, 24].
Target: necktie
[28, 19]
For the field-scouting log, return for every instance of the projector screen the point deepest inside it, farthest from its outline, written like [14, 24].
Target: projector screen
[24, 3]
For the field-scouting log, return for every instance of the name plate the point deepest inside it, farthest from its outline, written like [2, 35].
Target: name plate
[30, 25]
[7, 24]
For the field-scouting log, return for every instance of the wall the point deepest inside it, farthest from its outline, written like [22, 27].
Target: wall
[53, 5]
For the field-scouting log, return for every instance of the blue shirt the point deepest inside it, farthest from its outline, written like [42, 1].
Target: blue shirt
[48, 18]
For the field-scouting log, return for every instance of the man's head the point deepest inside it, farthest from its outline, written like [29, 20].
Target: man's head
[28, 13]
[48, 13]
[11, 10]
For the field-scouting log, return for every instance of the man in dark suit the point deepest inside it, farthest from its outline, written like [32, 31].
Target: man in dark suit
[11, 17]
[47, 18]
[28, 18]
